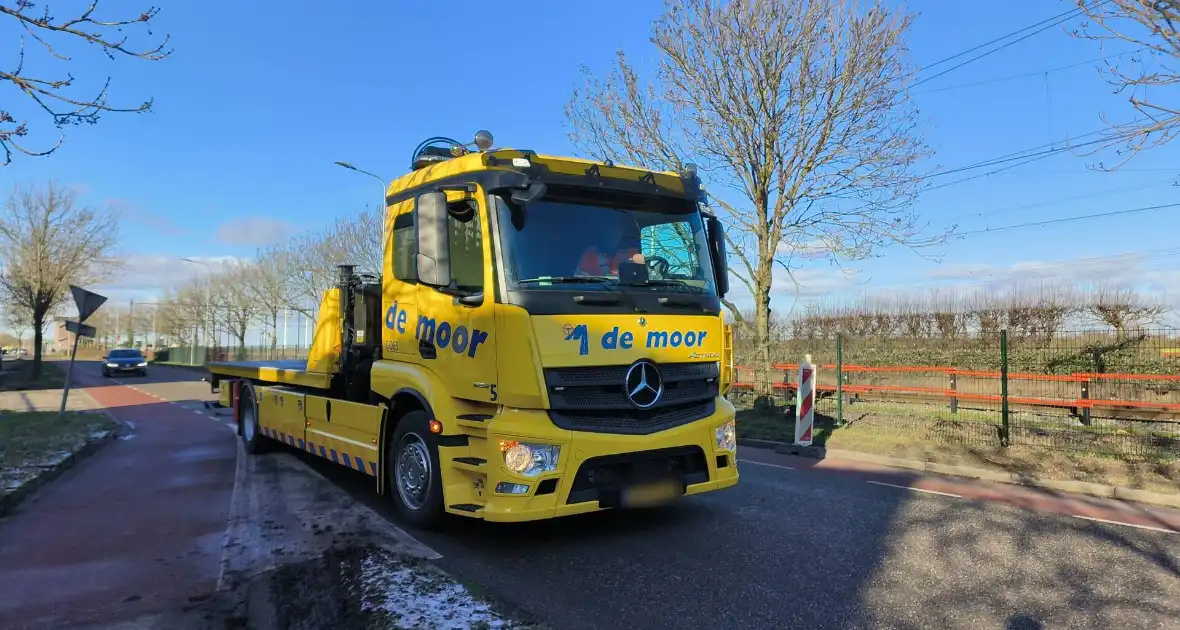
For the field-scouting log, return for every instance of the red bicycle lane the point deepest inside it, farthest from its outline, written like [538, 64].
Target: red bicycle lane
[134, 530]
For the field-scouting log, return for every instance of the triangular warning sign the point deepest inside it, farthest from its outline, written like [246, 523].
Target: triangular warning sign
[86, 301]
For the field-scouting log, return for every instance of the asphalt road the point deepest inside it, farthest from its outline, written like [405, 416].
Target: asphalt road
[796, 545]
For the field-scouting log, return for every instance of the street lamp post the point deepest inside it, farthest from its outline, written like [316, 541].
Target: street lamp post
[351, 167]
[208, 304]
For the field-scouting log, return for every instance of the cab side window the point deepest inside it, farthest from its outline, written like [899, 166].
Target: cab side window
[405, 248]
[466, 245]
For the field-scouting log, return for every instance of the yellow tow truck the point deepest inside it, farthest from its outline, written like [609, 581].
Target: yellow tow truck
[545, 339]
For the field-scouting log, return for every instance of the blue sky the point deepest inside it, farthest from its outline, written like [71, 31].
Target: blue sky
[259, 98]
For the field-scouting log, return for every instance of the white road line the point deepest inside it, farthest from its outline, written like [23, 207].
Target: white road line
[127, 437]
[1162, 530]
[231, 427]
[750, 461]
[131, 424]
[892, 485]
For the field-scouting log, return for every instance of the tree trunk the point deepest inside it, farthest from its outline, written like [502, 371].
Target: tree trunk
[762, 369]
[274, 332]
[38, 326]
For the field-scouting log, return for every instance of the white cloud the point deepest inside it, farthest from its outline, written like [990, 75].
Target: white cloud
[145, 277]
[255, 231]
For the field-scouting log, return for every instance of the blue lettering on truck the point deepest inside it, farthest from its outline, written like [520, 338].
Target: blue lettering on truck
[615, 340]
[442, 333]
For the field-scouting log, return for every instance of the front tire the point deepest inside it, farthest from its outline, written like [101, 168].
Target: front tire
[415, 480]
[249, 427]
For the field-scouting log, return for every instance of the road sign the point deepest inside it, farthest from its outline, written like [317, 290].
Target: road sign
[80, 329]
[86, 301]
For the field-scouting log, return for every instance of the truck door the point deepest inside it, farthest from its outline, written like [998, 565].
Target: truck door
[455, 336]
[401, 291]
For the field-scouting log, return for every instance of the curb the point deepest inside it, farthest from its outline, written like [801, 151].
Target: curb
[11, 500]
[1059, 485]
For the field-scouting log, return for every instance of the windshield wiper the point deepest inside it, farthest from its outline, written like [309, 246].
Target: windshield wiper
[671, 282]
[571, 279]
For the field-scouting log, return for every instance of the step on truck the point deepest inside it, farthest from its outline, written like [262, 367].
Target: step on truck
[544, 338]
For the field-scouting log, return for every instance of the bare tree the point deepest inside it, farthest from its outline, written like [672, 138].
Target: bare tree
[270, 288]
[1123, 309]
[361, 239]
[47, 243]
[52, 96]
[234, 301]
[797, 106]
[18, 319]
[1151, 27]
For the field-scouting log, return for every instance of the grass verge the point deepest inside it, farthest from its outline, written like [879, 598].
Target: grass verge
[971, 441]
[33, 440]
[18, 375]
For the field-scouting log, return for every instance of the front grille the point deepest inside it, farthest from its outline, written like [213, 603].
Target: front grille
[603, 478]
[595, 398]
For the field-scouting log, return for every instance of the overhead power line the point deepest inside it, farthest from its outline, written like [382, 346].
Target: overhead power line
[1081, 217]
[1080, 264]
[1033, 29]
[1051, 202]
[1023, 75]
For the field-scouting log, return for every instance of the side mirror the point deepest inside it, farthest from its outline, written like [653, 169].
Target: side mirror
[720, 258]
[433, 233]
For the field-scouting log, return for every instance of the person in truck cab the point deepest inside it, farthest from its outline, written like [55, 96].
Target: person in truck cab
[612, 248]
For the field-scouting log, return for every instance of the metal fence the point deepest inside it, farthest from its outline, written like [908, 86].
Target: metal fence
[1108, 394]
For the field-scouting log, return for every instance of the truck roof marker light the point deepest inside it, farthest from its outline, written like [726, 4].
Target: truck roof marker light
[689, 171]
[435, 426]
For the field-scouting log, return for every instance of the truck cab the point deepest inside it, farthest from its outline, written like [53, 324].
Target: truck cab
[545, 339]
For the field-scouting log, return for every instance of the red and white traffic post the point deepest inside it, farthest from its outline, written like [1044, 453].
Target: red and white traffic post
[805, 403]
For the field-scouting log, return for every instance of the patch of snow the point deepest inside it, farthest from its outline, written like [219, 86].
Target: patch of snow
[422, 597]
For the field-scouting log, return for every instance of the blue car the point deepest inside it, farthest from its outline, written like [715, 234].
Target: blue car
[124, 361]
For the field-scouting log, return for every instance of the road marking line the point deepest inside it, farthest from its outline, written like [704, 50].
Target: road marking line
[1162, 530]
[131, 424]
[892, 485]
[127, 437]
[750, 461]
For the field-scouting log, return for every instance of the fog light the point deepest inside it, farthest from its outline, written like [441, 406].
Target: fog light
[726, 436]
[528, 459]
[505, 487]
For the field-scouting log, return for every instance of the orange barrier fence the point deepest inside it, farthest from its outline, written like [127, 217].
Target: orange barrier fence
[1082, 402]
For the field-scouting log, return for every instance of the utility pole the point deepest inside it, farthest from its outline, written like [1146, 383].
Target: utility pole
[131, 323]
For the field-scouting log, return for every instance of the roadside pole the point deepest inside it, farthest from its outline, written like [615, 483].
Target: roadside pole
[87, 303]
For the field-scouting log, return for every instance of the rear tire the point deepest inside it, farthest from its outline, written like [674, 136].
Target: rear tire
[248, 425]
[414, 478]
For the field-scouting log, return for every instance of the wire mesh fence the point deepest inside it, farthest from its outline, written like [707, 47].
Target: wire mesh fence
[1107, 394]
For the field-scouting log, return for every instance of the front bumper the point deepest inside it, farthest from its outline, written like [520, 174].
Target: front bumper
[593, 468]
[124, 368]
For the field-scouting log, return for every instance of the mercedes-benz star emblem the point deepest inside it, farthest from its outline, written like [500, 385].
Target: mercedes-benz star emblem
[644, 384]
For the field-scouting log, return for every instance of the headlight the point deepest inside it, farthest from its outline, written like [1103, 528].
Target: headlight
[726, 436]
[142, 364]
[528, 459]
[112, 365]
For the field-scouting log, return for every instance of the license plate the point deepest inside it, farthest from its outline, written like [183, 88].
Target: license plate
[650, 494]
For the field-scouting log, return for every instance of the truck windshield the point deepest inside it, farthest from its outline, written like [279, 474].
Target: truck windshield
[563, 239]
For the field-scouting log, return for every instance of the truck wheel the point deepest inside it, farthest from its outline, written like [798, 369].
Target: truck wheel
[414, 477]
[252, 436]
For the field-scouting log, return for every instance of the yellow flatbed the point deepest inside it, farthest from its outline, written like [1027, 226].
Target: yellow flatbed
[277, 372]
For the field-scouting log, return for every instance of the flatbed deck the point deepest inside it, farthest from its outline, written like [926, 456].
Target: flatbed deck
[285, 372]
